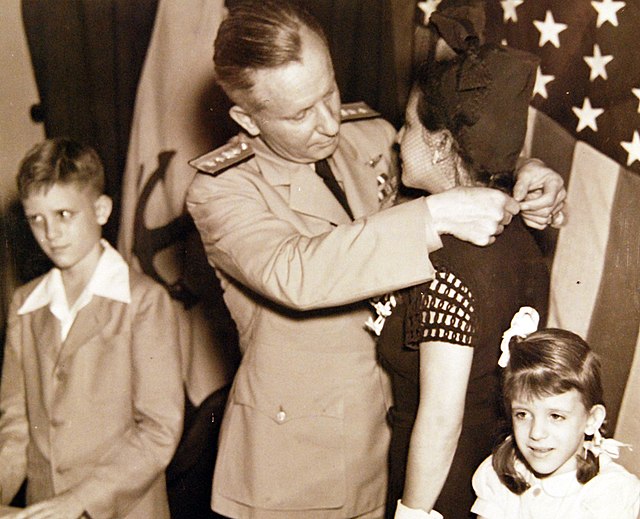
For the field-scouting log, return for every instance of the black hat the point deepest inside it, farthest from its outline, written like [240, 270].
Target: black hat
[481, 96]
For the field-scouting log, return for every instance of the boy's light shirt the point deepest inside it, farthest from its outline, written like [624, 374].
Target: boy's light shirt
[110, 280]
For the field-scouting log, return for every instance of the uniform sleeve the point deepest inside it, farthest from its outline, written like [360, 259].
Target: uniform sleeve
[614, 494]
[442, 310]
[249, 241]
[491, 493]
[129, 468]
[14, 429]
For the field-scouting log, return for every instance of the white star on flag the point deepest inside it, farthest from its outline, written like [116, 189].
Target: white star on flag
[541, 83]
[597, 63]
[632, 148]
[587, 115]
[428, 7]
[509, 8]
[549, 30]
[636, 92]
[607, 11]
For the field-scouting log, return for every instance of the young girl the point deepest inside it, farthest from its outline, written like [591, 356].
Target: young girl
[555, 463]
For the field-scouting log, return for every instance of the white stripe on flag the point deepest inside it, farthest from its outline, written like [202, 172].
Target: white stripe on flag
[582, 242]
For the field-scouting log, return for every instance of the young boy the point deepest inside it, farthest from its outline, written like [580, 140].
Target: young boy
[91, 398]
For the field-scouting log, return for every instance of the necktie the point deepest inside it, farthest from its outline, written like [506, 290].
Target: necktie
[324, 172]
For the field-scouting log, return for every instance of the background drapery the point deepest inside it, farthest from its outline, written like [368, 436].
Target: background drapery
[87, 56]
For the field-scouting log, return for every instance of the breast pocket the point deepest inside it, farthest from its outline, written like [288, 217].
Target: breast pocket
[283, 445]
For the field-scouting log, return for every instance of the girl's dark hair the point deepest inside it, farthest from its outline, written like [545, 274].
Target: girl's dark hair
[257, 35]
[60, 161]
[546, 363]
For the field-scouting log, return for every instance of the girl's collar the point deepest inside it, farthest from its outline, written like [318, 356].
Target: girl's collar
[560, 485]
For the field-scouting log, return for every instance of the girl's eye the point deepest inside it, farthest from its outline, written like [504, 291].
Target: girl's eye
[519, 415]
[557, 417]
[65, 214]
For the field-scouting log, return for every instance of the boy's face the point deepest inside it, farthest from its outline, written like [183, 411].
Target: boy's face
[67, 222]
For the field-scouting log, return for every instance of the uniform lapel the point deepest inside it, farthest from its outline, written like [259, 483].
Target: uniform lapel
[358, 179]
[305, 191]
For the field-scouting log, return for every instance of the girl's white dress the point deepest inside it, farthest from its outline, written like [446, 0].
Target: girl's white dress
[613, 494]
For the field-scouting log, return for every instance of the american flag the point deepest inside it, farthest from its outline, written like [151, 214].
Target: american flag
[585, 123]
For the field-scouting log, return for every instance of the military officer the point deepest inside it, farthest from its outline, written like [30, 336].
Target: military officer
[296, 216]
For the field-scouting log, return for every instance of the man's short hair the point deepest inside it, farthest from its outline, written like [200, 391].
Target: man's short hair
[255, 35]
[60, 161]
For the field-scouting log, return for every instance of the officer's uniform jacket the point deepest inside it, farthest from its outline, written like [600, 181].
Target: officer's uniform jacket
[304, 433]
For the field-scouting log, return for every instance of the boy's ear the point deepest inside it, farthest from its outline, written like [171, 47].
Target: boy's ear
[244, 119]
[103, 206]
[597, 414]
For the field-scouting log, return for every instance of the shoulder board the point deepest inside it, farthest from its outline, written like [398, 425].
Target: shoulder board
[215, 162]
[357, 112]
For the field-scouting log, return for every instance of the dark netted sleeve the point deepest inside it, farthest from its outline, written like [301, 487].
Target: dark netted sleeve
[442, 310]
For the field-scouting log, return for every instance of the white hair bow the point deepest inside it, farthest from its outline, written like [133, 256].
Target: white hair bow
[597, 445]
[524, 322]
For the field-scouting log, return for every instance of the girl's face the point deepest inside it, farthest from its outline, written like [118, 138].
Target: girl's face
[550, 431]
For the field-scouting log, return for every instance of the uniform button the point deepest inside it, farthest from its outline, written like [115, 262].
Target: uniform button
[537, 491]
[281, 416]
[61, 376]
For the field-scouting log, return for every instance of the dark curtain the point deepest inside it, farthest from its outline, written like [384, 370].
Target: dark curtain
[361, 37]
[87, 57]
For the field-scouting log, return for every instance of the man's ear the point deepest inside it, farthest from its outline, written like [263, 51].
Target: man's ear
[244, 119]
[597, 415]
[103, 206]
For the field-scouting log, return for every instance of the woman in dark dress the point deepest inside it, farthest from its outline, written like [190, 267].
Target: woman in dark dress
[465, 123]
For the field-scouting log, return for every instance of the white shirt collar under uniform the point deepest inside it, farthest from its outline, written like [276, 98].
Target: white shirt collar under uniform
[110, 280]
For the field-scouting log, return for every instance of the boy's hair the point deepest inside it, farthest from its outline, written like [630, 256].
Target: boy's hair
[546, 363]
[60, 161]
[258, 35]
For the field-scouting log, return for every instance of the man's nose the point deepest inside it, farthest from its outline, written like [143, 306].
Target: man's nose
[327, 123]
[400, 135]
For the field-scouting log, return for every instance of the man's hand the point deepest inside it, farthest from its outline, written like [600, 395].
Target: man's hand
[541, 194]
[64, 506]
[473, 214]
